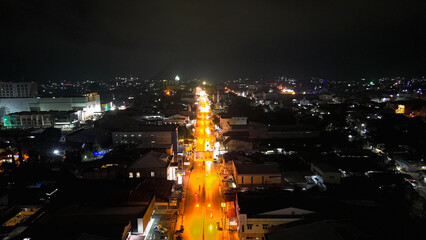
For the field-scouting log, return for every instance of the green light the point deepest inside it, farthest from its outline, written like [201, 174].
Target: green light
[371, 83]
[6, 121]
[177, 78]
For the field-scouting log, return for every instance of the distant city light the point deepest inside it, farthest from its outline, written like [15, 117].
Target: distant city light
[288, 91]
[400, 110]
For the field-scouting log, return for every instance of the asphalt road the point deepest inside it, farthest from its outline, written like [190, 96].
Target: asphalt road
[202, 209]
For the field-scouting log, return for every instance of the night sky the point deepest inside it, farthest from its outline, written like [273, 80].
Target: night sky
[214, 40]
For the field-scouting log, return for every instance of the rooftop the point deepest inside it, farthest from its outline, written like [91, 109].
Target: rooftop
[257, 168]
[268, 203]
[151, 160]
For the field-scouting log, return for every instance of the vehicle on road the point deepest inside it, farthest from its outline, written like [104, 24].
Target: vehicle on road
[218, 227]
[180, 230]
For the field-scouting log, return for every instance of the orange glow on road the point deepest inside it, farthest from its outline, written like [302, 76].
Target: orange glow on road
[203, 211]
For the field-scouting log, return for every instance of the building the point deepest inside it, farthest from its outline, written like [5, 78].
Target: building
[237, 144]
[145, 135]
[227, 120]
[95, 210]
[327, 173]
[259, 212]
[176, 119]
[89, 136]
[326, 229]
[18, 89]
[162, 189]
[152, 165]
[295, 131]
[25, 120]
[257, 174]
[89, 105]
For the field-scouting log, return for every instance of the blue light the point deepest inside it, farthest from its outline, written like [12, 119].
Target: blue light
[101, 153]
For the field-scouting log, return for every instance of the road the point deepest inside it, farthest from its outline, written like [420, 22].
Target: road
[203, 201]
[202, 207]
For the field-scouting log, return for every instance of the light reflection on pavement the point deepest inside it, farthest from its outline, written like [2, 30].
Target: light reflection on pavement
[203, 200]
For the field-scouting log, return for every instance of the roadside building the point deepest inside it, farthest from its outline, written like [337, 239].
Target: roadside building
[93, 210]
[176, 119]
[238, 144]
[162, 189]
[151, 165]
[227, 120]
[257, 174]
[259, 212]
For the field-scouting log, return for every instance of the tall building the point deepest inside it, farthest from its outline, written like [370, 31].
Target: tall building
[18, 89]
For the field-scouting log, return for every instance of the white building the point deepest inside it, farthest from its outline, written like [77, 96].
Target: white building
[88, 104]
[18, 89]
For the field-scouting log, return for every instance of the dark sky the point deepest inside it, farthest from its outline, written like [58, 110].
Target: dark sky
[217, 40]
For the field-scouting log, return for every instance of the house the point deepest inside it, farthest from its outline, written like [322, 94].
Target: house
[294, 131]
[326, 229]
[227, 120]
[352, 162]
[176, 119]
[151, 165]
[89, 136]
[237, 144]
[257, 174]
[99, 209]
[258, 212]
[327, 173]
[162, 189]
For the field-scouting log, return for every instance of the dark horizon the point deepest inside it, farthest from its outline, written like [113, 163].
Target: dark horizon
[97, 40]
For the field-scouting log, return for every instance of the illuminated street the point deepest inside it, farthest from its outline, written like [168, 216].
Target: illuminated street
[203, 213]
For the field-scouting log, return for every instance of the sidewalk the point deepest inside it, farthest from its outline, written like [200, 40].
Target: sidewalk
[181, 210]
